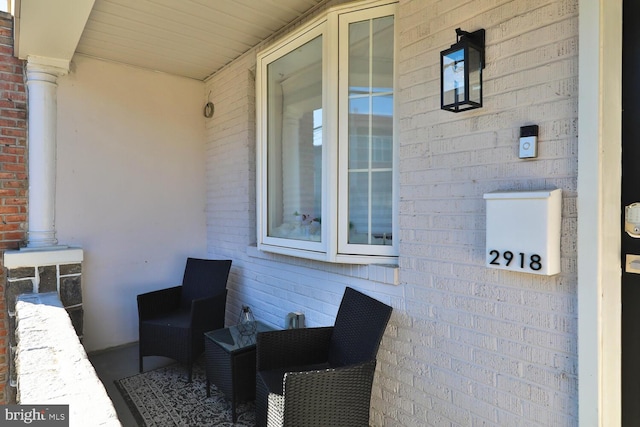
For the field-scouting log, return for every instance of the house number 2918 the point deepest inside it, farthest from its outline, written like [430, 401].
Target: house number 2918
[533, 261]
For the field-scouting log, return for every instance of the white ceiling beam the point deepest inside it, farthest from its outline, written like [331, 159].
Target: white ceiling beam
[50, 29]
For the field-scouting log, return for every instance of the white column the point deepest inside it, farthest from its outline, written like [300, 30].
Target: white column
[42, 106]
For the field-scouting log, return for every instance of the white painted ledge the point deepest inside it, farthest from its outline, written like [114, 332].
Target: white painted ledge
[39, 257]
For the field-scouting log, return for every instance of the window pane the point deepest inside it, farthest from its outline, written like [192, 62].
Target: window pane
[382, 50]
[359, 104]
[381, 208]
[382, 132]
[359, 42]
[375, 229]
[294, 144]
[370, 163]
[359, 207]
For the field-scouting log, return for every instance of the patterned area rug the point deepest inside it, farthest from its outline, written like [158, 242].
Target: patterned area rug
[163, 397]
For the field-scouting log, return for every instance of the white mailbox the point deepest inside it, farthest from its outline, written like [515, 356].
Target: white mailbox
[523, 231]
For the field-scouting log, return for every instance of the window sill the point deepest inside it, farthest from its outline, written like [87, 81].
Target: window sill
[387, 274]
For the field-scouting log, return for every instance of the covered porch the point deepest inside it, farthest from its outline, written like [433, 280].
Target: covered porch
[150, 156]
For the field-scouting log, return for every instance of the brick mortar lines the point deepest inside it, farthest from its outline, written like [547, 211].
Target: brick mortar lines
[13, 174]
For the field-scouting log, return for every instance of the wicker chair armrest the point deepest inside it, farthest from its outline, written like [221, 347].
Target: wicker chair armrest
[155, 303]
[208, 313]
[340, 396]
[292, 347]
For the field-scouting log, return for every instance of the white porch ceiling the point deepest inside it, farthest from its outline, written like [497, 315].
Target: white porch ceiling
[190, 38]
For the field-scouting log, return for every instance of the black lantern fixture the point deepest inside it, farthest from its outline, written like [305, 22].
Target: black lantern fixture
[461, 72]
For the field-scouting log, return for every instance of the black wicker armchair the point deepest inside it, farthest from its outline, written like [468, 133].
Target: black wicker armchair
[172, 321]
[321, 376]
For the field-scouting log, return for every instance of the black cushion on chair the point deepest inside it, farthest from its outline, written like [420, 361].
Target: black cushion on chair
[176, 319]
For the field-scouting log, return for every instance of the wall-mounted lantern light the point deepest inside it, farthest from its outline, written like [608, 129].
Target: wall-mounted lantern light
[461, 72]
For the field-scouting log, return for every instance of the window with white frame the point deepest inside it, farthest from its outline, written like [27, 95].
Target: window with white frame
[326, 154]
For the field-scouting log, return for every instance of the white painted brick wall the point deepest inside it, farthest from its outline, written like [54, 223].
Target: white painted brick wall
[466, 346]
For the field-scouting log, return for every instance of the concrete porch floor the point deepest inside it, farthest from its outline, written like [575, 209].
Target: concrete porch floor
[121, 362]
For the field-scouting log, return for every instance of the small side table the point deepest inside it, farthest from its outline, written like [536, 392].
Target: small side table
[231, 363]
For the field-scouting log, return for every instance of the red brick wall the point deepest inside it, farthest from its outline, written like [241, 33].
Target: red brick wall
[13, 172]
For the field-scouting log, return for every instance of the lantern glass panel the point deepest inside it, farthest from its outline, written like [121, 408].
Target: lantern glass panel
[475, 76]
[453, 88]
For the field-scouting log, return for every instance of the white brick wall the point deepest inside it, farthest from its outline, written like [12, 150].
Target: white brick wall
[466, 346]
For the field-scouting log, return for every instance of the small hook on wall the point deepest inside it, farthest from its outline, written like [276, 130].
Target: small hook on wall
[209, 107]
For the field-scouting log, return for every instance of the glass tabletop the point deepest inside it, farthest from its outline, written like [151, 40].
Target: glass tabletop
[232, 339]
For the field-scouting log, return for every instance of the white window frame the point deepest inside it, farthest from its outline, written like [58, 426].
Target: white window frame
[333, 246]
[306, 249]
[343, 110]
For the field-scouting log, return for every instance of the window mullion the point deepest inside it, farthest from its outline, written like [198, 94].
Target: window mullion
[370, 136]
